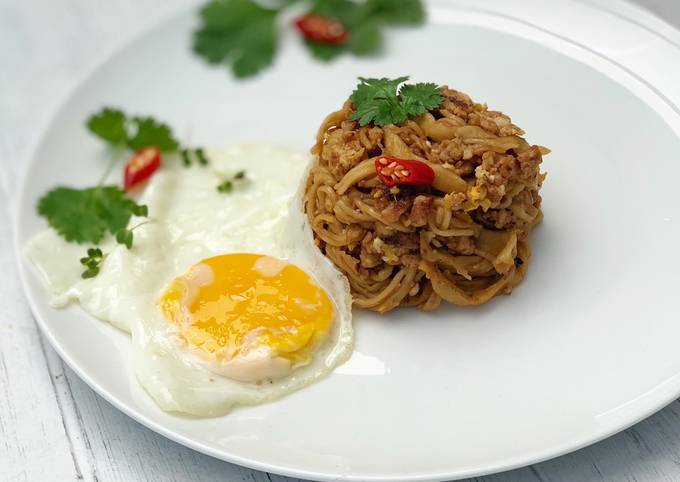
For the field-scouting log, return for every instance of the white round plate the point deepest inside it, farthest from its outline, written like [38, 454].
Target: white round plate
[588, 343]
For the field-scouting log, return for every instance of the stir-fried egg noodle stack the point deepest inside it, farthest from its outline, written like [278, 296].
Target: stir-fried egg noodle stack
[464, 239]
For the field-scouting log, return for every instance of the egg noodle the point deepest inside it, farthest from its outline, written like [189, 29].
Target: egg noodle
[464, 239]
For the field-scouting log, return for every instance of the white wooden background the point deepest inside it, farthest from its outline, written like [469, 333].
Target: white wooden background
[52, 426]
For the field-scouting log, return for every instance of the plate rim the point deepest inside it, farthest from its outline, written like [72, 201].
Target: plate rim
[24, 271]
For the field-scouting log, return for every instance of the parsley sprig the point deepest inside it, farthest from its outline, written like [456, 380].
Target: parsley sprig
[244, 35]
[383, 101]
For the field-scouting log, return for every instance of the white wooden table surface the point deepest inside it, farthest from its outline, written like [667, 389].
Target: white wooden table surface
[55, 428]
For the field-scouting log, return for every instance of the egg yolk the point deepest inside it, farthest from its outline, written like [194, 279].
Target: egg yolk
[231, 304]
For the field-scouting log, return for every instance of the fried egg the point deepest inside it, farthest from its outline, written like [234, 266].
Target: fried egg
[226, 297]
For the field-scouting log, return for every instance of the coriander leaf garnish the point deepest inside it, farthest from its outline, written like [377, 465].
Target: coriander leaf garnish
[145, 135]
[140, 210]
[200, 155]
[125, 236]
[361, 20]
[243, 34]
[191, 155]
[95, 257]
[366, 39]
[116, 128]
[346, 11]
[92, 262]
[324, 52]
[86, 215]
[383, 102]
[150, 132]
[227, 185]
[377, 100]
[403, 12]
[110, 125]
[364, 22]
[239, 33]
[369, 89]
[420, 98]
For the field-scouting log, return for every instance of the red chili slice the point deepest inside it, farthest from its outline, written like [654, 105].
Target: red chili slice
[394, 172]
[141, 166]
[318, 28]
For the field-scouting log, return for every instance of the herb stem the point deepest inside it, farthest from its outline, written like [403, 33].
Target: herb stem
[186, 160]
[139, 225]
[115, 157]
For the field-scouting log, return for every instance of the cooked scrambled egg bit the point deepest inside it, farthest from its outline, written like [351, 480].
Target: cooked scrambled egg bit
[249, 317]
[186, 265]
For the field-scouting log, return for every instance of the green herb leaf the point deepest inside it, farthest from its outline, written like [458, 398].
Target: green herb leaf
[113, 126]
[125, 236]
[95, 253]
[89, 262]
[370, 89]
[200, 155]
[243, 34]
[140, 210]
[189, 155]
[377, 100]
[366, 38]
[239, 33]
[325, 52]
[90, 273]
[382, 102]
[403, 12]
[420, 98]
[225, 186]
[346, 12]
[110, 125]
[92, 262]
[86, 215]
[228, 185]
[364, 22]
[150, 132]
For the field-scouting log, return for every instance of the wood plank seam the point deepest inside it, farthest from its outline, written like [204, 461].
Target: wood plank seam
[17, 326]
[71, 419]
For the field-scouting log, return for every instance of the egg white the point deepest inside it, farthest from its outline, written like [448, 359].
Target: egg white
[192, 221]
